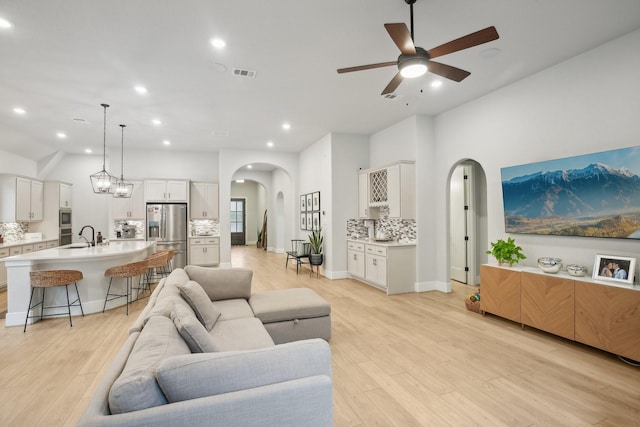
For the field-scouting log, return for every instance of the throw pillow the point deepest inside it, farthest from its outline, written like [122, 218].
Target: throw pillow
[199, 301]
[191, 330]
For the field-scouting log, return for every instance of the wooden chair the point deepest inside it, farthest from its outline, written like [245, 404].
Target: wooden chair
[300, 250]
[49, 279]
[126, 271]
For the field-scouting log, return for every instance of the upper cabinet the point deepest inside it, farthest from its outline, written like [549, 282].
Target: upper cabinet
[204, 201]
[392, 186]
[162, 190]
[21, 199]
[65, 195]
[132, 207]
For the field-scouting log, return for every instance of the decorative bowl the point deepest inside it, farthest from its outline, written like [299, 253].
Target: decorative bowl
[550, 264]
[576, 270]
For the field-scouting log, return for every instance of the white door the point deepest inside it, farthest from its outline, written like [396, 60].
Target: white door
[459, 209]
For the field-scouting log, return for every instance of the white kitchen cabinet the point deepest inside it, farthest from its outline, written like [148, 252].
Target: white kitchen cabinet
[65, 195]
[392, 186]
[132, 207]
[21, 199]
[204, 201]
[162, 190]
[355, 261]
[390, 267]
[204, 251]
[4, 252]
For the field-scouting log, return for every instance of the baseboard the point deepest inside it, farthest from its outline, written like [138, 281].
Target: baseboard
[336, 275]
[433, 286]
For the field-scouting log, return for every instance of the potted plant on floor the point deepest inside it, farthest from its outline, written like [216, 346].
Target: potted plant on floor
[506, 252]
[316, 240]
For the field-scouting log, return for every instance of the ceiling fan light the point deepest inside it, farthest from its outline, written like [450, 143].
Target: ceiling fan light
[411, 69]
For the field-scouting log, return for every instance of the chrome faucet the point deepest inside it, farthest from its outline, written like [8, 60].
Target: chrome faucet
[93, 235]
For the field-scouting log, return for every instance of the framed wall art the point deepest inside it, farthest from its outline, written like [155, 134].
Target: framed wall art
[309, 221]
[614, 267]
[303, 203]
[309, 202]
[591, 195]
[316, 220]
[303, 221]
[315, 201]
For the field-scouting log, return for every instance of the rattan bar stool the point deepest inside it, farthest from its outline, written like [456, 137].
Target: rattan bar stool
[49, 279]
[156, 269]
[126, 271]
[170, 253]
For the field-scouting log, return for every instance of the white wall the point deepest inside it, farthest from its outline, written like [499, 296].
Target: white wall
[14, 164]
[587, 104]
[397, 142]
[169, 163]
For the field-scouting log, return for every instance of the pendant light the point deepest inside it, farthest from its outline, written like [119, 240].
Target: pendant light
[123, 188]
[103, 182]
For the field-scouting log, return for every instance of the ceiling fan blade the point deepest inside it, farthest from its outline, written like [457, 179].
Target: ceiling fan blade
[393, 84]
[401, 37]
[366, 67]
[447, 71]
[470, 40]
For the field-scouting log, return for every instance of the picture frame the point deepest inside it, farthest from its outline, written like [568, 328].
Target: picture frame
[316, 221]
[303, 221]
[309, 221]
[315, 201]
[614, 267]
[303, 203]
[309, 202]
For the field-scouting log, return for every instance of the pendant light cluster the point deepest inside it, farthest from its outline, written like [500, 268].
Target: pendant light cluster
[102, 181]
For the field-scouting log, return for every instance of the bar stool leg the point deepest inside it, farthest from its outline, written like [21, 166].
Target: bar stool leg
[28, 309]
[107, 297]
[42, 308]
[79, 301]
[66, 288]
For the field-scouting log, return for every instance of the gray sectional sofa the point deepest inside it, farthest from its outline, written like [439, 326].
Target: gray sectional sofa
[206, 351]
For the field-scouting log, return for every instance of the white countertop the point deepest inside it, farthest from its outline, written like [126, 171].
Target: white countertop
[390, 243]
[25, 242]
[74, 253]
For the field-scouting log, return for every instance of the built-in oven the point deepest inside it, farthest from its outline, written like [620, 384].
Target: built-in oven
[65, 218]
[66, 236]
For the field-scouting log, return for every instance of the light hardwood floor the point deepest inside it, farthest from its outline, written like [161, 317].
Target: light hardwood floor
[404, 360]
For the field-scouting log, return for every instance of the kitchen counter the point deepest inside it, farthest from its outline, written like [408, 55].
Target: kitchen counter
[25, 242]
[390, 243]
[92, 261]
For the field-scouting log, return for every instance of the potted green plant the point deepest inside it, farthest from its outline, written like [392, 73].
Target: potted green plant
[316, 240]
[506, 252]
[259, 241]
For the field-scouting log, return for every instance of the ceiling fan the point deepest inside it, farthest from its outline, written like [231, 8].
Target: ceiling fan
[415, 61]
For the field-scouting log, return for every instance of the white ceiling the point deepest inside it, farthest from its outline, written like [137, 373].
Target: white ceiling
[63, 58]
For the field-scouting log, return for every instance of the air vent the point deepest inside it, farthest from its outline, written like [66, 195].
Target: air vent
[220, 133]
[81, 121]
[244, 73]
[391, 96]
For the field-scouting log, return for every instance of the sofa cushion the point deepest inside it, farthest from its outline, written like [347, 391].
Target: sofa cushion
[222, 283]
[192, 331]
[180, 377]
[164, 307]
[240, 334]
[288, 304]
[136, 387]
[200, 302]
[233, 309]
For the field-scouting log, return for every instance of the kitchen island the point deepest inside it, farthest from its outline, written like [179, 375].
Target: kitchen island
[92, 261]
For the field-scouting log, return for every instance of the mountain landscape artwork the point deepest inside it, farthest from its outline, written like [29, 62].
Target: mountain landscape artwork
[592, 195]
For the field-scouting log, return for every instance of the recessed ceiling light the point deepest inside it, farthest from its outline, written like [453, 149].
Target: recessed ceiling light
[19, 110]
[270, 144]
[436, 84]
[88, 151]
[166, 142]
[61, 135]
[240, 181]
[156, 122]
[5, 24]
[217, 43]
[140, 89]
[286, 126]
[249, 166]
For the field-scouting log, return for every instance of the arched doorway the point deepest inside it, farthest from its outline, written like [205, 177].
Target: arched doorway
[467, 221]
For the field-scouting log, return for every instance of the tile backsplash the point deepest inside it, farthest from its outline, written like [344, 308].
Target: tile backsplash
[204, 227]
[394, 228]
[139, 225]
[13, 231]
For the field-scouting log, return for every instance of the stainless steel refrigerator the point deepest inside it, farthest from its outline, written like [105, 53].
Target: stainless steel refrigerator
[167, 225]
